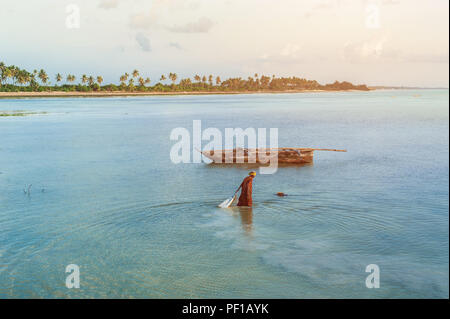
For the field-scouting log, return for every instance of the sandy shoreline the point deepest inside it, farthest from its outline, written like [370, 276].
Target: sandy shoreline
[124, 93]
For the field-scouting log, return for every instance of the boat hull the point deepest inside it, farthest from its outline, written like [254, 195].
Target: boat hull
[260, 157]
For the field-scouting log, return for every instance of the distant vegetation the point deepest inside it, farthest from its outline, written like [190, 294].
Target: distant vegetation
[15, 79]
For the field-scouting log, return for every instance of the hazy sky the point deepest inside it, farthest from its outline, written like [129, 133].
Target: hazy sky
[377, 42]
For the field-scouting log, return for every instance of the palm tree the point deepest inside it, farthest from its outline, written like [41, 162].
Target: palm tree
[197, 78]
[173, 77]
[43, 76]
[91, 80]
[131, 84]
[10, 72]
[204, 79]
[141, 81]
[14, 72]
[147, 81]
[124, 78]
[185, 83]
[5, 73]
[210, 80]
[58, 78]
[163, 78]
[99, 80]
[33, 83]
[70, 78]
[2, 71]
[218, 80]
[135, 73]
[84, 78]
[23, 77]
[27, 76]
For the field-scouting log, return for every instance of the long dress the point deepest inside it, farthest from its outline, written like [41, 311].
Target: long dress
[246, 194]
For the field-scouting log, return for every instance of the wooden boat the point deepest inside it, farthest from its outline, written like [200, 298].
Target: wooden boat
[286, 155]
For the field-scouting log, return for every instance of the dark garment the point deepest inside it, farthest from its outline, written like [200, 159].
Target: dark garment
[246, 194]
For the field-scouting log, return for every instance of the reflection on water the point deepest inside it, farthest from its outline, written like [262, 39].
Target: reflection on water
[246, 214]
[140, 226]
[255, 166]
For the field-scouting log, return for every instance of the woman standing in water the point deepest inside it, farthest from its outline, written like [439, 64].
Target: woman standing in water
[246, 195]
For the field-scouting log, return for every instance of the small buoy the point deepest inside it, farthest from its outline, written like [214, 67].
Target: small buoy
[281, 194]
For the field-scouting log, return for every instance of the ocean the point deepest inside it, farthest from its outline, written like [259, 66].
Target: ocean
[106, 197]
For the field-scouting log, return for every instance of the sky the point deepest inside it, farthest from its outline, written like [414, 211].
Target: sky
[375, 42]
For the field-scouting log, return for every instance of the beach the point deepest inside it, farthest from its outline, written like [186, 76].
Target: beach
[126, 93]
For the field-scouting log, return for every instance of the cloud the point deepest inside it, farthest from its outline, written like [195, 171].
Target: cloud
[290, 50]
[375, 50]
[180, 5]
[175, 45]
[321, 6]
[108, 4]
[159, 10]
[287, 55]
[280, 60]
[142, 21]
[143, 41]
[368, 51]
[390, 2]
[202, 25]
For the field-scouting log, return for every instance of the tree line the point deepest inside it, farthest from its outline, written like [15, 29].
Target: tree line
[15, 79]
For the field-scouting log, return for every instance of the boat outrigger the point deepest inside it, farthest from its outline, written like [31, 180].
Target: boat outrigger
[286, 155]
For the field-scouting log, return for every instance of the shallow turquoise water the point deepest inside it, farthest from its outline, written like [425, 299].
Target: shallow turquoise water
[106, 197]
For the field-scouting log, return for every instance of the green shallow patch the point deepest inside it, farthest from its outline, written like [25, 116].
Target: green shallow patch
[19, 113]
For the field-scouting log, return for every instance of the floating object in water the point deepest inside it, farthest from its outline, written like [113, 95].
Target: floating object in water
[281, 194]
[28, 190]
[286, 155]
[228, 202]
